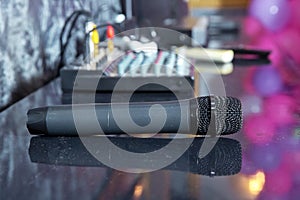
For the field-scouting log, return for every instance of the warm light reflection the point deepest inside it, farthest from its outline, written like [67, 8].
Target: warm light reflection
[138, 191]
[256, 183]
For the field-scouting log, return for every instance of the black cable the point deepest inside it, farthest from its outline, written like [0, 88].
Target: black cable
[72, 27]
[76, 14]
[73, 18]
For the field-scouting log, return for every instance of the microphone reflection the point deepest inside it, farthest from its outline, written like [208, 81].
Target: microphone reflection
[223, 160]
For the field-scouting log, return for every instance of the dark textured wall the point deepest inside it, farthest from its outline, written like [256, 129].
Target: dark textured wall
[29, 41]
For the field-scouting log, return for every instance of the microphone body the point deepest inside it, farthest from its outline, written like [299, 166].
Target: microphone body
[192, 116]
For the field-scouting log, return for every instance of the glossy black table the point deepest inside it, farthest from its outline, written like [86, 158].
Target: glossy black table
[61, 168]
[33, 170]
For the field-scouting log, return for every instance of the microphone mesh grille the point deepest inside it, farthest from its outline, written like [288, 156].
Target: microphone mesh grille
[224, 159]
[204, 114]
[228, 115]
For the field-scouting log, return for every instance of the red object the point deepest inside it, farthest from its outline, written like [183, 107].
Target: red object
[110, 32]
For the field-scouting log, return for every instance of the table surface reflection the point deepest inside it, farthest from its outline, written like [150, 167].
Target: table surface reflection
[34, 170]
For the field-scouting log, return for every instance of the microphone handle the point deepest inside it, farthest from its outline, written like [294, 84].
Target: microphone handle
[59, 120]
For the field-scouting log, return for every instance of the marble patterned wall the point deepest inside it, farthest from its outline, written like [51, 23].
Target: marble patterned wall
[29, 41]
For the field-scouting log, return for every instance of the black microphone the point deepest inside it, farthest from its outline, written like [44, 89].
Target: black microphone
[202, 115]
[224, 159]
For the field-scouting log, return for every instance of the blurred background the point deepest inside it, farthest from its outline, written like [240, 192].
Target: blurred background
[30, 30]
[30, 57]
